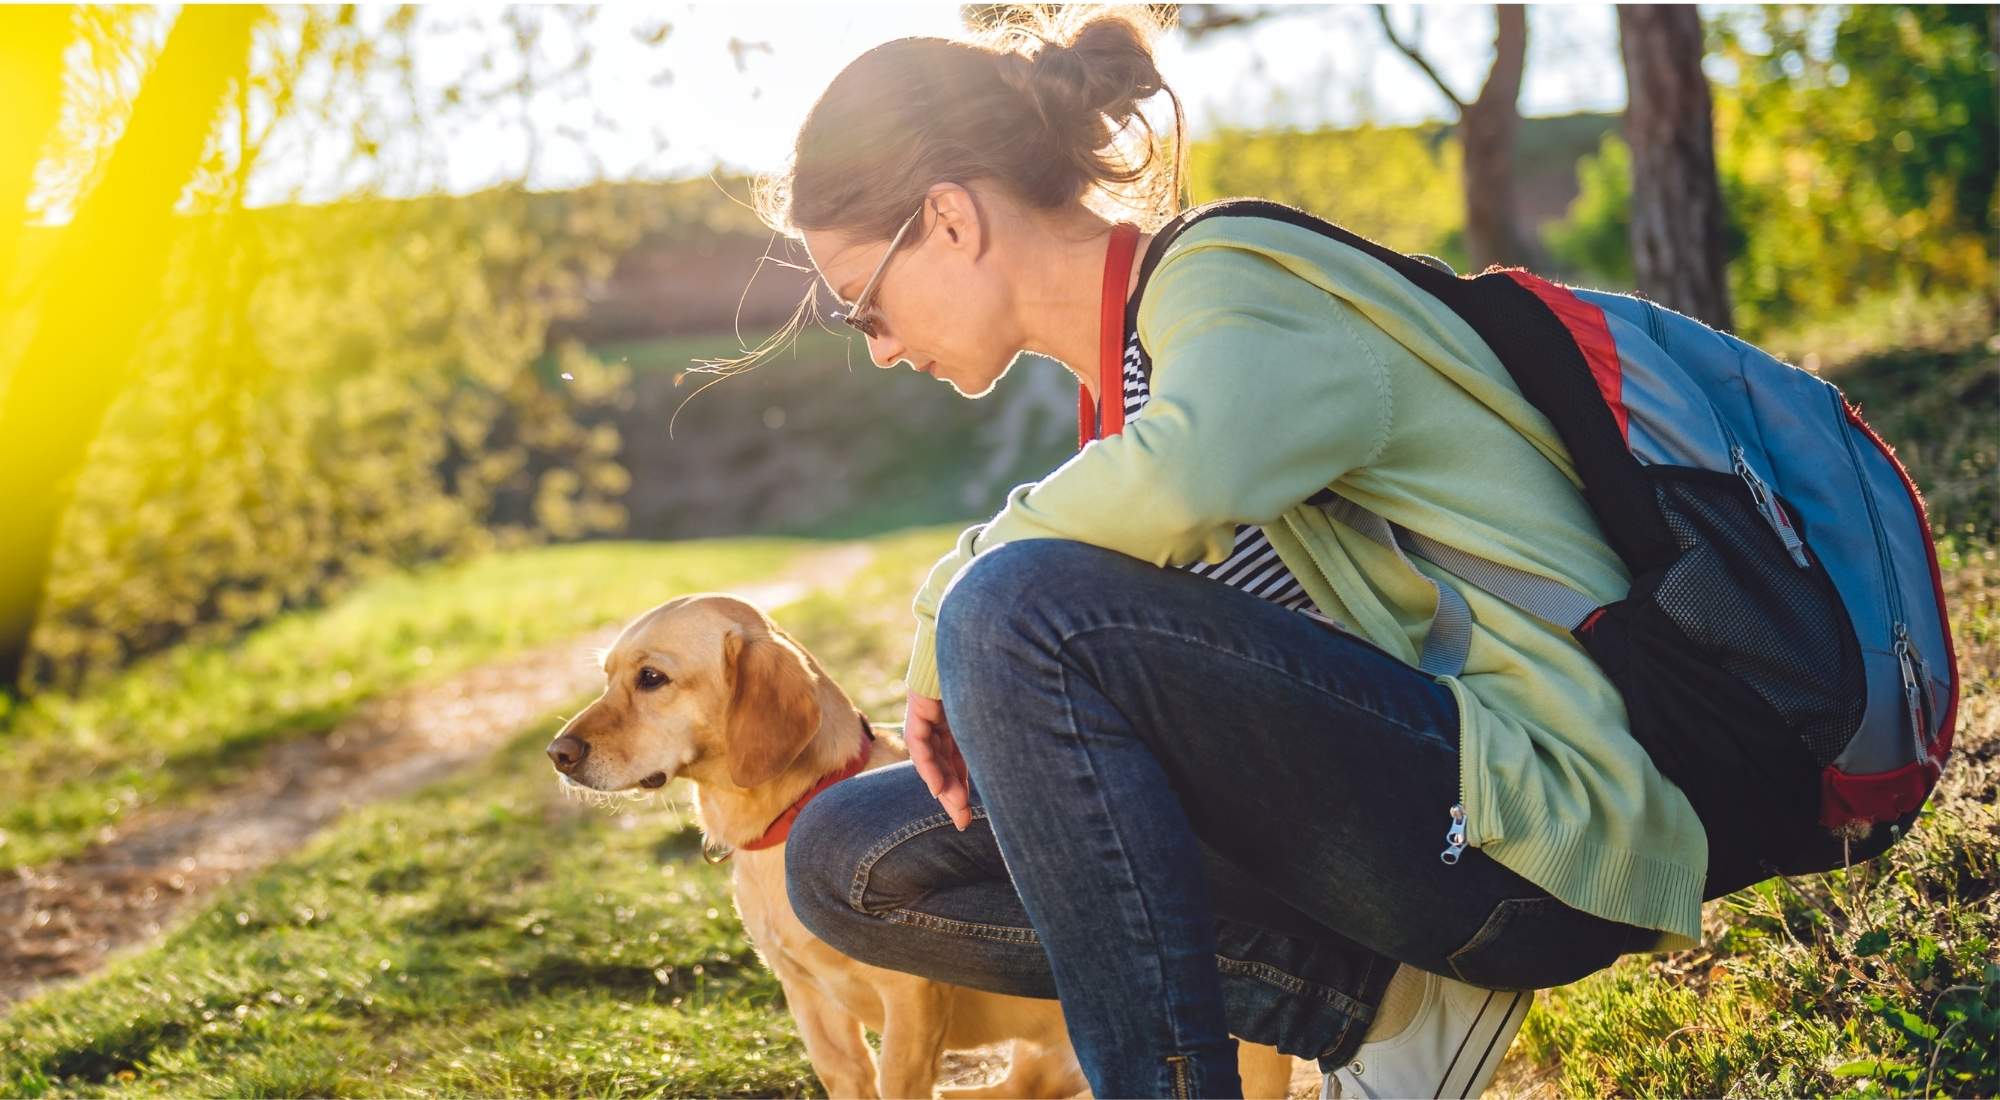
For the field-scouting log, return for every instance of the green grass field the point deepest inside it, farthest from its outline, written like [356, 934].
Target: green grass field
[486, 936]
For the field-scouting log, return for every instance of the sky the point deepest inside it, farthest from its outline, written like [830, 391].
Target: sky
[680, 90]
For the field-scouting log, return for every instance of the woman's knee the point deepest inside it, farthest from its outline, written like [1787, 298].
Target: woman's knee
[1018, 583]
[860, 849]
[820, 854]
[1012, 608]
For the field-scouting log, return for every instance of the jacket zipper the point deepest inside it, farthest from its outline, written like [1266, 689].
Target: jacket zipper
[1454, 837]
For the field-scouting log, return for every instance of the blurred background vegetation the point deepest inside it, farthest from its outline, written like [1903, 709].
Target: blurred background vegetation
[225, 409]
[289, 413]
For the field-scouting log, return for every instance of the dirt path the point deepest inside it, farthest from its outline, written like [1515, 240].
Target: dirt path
[63, 919]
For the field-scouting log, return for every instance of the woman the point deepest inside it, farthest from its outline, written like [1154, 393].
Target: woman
[1170, 703]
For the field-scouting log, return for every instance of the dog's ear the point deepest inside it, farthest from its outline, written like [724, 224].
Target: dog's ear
[773, 707]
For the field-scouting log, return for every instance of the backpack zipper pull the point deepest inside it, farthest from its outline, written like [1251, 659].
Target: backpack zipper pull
[1454, 837]
[1913, 692]
[1769, 508]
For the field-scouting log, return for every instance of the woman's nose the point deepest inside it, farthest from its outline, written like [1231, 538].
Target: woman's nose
[884, 351]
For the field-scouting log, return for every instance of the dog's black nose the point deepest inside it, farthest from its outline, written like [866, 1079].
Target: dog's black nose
[566, 752]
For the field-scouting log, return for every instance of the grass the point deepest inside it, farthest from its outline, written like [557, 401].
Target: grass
[484, 937]
[178, 724]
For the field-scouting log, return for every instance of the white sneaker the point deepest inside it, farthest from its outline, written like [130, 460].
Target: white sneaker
[1450, 1047]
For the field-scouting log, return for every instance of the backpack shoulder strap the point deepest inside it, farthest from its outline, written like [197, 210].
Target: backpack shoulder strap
[1450, 633]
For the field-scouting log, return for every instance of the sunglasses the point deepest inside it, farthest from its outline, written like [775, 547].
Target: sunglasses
[862, 316]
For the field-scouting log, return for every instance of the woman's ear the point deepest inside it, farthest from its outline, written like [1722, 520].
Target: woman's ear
[773, 706]
[960, 220]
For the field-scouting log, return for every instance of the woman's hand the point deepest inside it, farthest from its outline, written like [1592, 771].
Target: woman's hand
[936, 756]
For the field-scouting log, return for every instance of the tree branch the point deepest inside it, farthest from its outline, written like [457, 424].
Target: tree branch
[1389, 32]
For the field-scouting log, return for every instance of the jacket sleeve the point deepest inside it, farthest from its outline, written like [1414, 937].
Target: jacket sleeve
[1260, 398]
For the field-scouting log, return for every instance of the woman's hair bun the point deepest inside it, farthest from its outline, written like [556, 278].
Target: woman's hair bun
[1105, 69]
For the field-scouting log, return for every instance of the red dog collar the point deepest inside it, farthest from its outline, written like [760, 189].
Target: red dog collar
[782, 827]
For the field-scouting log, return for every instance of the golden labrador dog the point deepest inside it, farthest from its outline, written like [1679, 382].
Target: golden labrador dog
[708, 687]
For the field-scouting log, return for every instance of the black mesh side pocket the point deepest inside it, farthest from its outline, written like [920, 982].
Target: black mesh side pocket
[1740, 672]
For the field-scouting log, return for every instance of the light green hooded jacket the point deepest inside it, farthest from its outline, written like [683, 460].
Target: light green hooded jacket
[1285, 362]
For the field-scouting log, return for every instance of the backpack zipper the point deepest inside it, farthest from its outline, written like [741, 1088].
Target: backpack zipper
[1914, 689]
[1768, 506]
[1654, 329]
[1909, 661]
[1454, 837]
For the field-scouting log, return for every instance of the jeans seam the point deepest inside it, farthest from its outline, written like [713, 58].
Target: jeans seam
[1063, 641]
[1171, 1014]
[1004, 933]
[858, 888]
[1367, 1015]
[1292, 983]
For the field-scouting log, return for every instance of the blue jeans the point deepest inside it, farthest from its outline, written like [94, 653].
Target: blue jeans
[1196, 813]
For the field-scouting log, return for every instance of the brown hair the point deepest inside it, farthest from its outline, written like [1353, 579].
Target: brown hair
[1044, 102]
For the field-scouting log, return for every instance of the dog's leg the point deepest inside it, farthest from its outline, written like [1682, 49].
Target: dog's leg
[832, 1037]
[1266, 1072]
[1035, 1071]
[915, 1014]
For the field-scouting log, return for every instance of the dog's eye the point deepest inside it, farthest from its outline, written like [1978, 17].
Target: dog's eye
[651, 678]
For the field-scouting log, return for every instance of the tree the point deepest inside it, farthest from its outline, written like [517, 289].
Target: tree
[1486, 129]
[79, 354]
[1677, 218]
[299, 393]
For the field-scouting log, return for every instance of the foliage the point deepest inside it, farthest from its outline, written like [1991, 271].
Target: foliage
[1595, 239]
[1397, 185]
[1858, 148]
[1873, 160]
[329, 391]
[365, 405]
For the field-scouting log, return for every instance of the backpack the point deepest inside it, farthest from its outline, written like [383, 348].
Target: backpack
[1783, 651]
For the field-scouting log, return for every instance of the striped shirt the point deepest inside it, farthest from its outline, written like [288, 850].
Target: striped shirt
[1253, 564]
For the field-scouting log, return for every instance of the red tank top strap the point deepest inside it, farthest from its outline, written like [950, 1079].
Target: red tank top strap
[1108, 418]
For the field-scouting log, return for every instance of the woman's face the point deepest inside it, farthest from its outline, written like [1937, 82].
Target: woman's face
[940, 305]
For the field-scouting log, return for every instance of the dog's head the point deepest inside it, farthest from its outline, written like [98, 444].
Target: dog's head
[704, 686]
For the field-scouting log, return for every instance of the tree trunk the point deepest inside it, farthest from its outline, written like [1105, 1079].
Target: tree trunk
[104, 287]
[1677, 214]
[1486, 128]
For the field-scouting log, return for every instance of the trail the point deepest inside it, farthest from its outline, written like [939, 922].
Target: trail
[63, 920]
